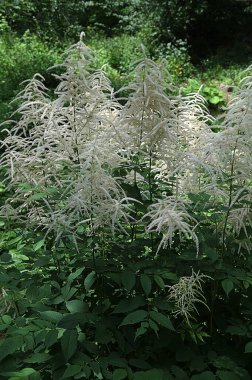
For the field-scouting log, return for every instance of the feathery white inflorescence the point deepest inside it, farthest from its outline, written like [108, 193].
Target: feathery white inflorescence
[169, 216]
[186, 294]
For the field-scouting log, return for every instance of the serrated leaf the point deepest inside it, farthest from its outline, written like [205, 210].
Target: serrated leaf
[227, 285]
[134, 317]
[128, 280]
[162, 320]
[119, 374]
[71, 371]
[248, 348]
[69, 343]
[89, 280]
[146, 283]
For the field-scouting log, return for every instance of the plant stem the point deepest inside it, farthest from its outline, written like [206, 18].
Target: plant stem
[230, 197]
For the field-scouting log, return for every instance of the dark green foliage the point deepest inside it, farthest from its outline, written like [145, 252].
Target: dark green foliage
[67, 315]
[219, 22]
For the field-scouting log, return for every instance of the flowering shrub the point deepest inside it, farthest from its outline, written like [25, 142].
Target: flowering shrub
[125, 230]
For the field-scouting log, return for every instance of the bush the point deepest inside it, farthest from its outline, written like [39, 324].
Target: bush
[125, 231]
[117, 56]
[21, 58]
[178, 60]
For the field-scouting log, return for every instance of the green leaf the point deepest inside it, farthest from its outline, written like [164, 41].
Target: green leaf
[159, 281]
[146, 283]
[6, 319]
[76, 306]
[207, 375]
[10, 345]
[85, 373]
[119, 374]
[38, 245]
[162, 320]
[237, 330]
[38, 358]
[227, 285]
[70, 321]
[178, 372]
[128, 280]
[25, 374]
[96, 369]
[215, 99]
[153, 374]
[89, 280]
[68, 292]
[139, 363]
[198, 364]
[52, 316]
[51, 338]
[71, 371]
[75, 274]
[103, 335]
[69, 343]
[118, 362]
[154, 326]
[227, 375]
[37, 196]
[141, 330]
[129, 304]
[248, 347]
[134, 317]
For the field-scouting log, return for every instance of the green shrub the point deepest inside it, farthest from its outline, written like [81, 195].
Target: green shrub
[125, 231]
[213, 95]
[178, 60]
[117, 55]
[21, 58]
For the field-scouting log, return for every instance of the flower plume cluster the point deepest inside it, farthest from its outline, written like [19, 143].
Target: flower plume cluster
[70, 159]
[186, 294]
